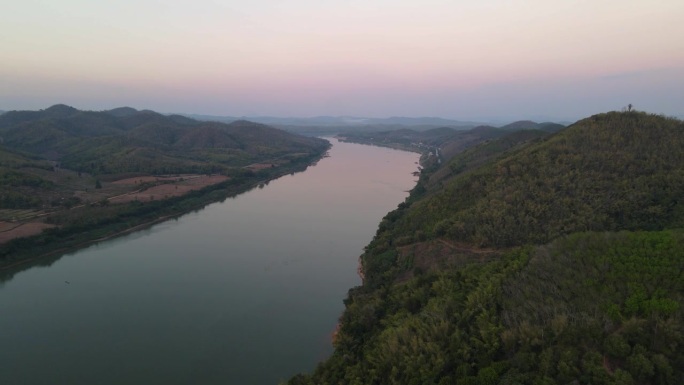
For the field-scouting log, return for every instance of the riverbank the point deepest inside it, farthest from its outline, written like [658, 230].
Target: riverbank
[87, 225]
[393, 145]
[178, 302]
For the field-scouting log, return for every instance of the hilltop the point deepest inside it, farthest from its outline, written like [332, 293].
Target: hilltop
[533, 258]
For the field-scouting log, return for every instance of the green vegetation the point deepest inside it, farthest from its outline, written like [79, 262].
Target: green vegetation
[17, 187]
[530, 259]
[610, 172]
[125, 140]
[449, 141]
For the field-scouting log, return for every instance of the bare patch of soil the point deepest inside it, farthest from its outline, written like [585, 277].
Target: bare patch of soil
[148, 179]
[149, 188]
[5, 226]
[260, 166]
[170, 187]
[438, 254]
[21, 230]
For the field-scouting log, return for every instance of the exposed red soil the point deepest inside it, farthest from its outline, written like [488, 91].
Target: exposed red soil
[4, 226]
[167, 190]
[168, 187]
[147, 179]
[439, 253]
[260, 166]
[18, 230]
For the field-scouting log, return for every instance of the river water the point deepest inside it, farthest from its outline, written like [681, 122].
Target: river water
[246, 291]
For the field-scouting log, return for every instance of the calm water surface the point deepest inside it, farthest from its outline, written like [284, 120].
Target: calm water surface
[247, 291]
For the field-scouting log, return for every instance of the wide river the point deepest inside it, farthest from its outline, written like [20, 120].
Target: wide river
[246, 291]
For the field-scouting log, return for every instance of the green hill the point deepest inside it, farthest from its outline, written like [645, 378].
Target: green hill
[529, 259]
[125, 140]
[448, 140]
[608, 172]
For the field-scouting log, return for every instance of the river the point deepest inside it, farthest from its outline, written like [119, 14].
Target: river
[245, 291]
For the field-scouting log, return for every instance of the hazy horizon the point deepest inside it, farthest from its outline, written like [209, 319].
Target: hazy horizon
[483, 61]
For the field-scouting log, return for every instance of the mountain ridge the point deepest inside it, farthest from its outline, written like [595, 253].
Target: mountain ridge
[82, 139]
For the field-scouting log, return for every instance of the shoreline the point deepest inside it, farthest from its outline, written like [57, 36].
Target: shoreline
[86, 243]
[221, 192]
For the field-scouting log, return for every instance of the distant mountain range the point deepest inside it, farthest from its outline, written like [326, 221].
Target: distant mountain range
[339, 121]
[331, 125]
[318, 124]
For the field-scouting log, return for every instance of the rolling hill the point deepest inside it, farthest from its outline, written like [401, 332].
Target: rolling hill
[126, 140]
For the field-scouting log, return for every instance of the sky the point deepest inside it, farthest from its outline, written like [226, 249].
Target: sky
[461, 59]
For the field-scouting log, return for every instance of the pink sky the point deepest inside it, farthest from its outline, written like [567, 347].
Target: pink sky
[458, 59]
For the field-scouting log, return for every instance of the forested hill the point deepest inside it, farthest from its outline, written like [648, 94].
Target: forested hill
[529, 259]
[127, 140]
[609, 172]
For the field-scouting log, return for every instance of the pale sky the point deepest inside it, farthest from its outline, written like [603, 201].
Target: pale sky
[464, 59]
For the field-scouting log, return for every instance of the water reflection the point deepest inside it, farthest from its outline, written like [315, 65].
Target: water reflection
[246, 291]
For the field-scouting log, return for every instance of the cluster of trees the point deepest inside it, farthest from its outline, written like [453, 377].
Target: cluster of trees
[16, 187]
[580, 309]
[582, 281]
